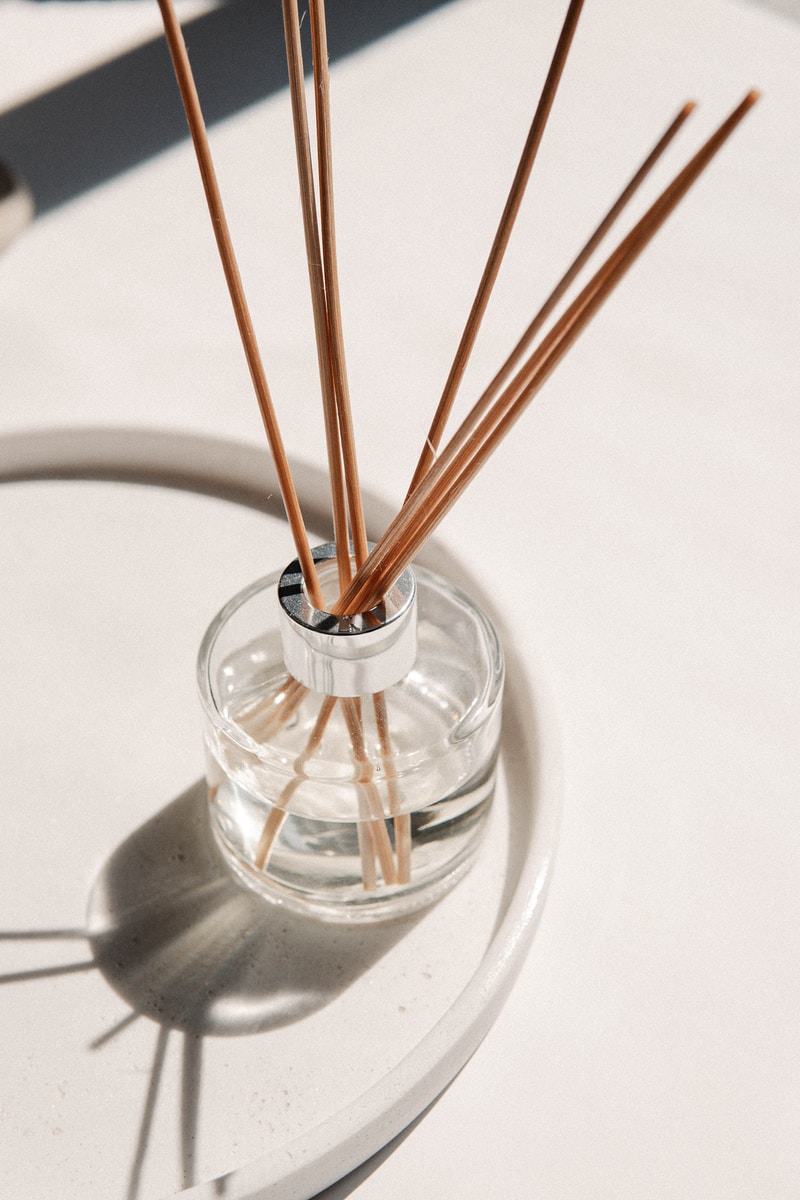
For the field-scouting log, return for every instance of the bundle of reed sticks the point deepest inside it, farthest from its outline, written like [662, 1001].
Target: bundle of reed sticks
[445, 468]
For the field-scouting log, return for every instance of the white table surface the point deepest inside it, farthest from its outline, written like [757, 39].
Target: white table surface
[640, 529]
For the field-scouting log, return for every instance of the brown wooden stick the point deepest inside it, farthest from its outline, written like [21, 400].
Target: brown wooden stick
[197, 129]
[376, 817]
[278, 814]
[319, 43]
[401, 820]
[366, 847]
[319, 301]
[275, 710]
[500, 243]
[447, 479]
[272, 825]
[576, 266]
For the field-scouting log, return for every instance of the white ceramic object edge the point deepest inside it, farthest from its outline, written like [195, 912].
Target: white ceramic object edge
[243, 474]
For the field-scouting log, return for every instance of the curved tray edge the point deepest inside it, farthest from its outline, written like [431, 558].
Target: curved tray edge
[243, 474]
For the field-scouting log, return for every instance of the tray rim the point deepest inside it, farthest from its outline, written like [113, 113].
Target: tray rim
[243, 474]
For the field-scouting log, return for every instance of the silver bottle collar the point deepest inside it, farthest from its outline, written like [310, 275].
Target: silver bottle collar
[346, 655]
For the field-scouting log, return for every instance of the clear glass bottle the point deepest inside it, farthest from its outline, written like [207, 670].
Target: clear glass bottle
[357, 786]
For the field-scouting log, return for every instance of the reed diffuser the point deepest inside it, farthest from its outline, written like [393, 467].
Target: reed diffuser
[352, 701]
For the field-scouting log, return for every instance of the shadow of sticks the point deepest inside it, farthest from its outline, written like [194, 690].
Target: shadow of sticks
[183, 943]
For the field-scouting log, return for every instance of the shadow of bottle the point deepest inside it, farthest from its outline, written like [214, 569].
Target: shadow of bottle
[186, 945]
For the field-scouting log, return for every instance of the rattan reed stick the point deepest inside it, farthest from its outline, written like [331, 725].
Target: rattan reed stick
[497, 252]
[319, 303]
[567, 279]
[319, 43]
[447, 480]
[197, 129]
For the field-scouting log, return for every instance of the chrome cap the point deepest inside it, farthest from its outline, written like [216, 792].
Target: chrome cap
[346, 655]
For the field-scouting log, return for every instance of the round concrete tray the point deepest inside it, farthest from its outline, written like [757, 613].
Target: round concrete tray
[163, 1029]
